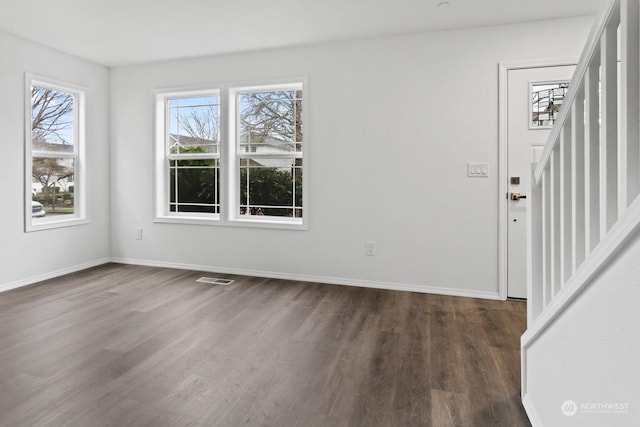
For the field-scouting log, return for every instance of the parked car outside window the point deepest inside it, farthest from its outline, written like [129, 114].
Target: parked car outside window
[37, 210]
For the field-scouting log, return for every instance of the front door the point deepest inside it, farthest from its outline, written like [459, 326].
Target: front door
[534, 99]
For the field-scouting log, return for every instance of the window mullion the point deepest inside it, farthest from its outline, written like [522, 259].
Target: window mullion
[193, 156]
[53, 155]
[289, 155]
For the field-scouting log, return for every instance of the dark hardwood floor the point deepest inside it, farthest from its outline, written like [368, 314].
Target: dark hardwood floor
[138, 346]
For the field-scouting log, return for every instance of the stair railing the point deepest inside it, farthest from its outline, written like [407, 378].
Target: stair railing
[585, 187]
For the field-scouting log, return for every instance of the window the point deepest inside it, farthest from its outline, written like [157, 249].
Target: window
[54, 155]
[546, 100]
[269, 136]
[193, 153]
[231, 156]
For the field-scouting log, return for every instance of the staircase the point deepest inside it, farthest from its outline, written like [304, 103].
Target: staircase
[584, 252]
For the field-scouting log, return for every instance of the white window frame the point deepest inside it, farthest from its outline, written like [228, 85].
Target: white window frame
[230, 153]
[162, 158]
[80, 214]
[236, 154]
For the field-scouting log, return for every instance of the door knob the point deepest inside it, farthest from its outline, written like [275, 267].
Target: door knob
[518, 196]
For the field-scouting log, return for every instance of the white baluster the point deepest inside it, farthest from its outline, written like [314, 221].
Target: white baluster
[556, 255]
[629, 149]
[577, 180]
[566, 212]
[609, 125]
[547, 242]
[592, 154]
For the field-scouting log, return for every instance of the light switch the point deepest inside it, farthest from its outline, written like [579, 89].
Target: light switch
[476, 170]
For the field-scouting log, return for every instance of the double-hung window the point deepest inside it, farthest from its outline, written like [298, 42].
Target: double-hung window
[231, 155]
[269, 143]
[54, 155]
[192, 149]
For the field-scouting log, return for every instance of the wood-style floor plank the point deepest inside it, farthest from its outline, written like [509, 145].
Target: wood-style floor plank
[124, 345]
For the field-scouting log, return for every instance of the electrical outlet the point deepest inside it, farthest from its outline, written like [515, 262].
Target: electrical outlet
[139, 233]
[370, 248]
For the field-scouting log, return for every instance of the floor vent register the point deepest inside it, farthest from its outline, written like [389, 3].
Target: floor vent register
[215, 281]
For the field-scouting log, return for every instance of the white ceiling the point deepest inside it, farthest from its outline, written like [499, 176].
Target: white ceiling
[118, 32]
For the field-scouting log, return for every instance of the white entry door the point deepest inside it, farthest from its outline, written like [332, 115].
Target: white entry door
[534, 98]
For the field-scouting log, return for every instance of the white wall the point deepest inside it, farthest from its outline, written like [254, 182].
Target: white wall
[392, 124]
[28, 257]
[590, 353]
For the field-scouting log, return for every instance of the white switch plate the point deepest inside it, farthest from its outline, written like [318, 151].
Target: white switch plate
[478, 169]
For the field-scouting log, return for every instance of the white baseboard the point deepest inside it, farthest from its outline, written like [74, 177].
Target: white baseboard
[531, 412]
[316, 279]
[67, 270]
[258, 273]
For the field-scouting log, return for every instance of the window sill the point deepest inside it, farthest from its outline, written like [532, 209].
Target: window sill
[188, 219]
[249, 221]
[49, 225]
[266, 222]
